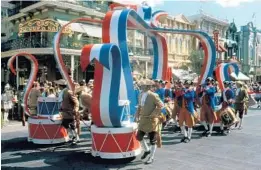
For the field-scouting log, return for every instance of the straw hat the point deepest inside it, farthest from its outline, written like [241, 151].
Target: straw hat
[210, 79]
[226, 82]
[188, 82]
[61, 82]
[239, 83]
[146, 82]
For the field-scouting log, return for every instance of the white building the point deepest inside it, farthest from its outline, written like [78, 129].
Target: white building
[179, 46]
[6, 26]
[207, 23]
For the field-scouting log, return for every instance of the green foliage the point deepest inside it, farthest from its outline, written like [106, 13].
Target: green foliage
[196, 58]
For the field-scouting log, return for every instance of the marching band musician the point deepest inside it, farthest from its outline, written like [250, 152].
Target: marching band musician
[33, 97]
[149, 117]
[160, 90]
[166, 101]
[240, 101]
[69, 108]
[177, 102]
[227, 99]
[207, 112]
[136, 90]
[187, 112]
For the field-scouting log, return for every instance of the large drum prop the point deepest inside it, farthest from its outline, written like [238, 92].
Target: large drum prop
[46, 127]
[115, 143]
[228, 117]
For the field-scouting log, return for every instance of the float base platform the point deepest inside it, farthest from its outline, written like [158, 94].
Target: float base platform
[115, 143]
[46, 130]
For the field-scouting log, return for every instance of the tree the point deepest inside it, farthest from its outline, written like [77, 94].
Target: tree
[196, 58]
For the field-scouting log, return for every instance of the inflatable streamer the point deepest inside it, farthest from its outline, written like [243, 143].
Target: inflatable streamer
[114, 30]
[105, 106]
[33, 74]
[156, 16]
[223, 72]
[57, 51]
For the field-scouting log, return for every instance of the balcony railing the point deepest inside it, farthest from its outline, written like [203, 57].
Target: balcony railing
[20, 5]
[95, 5]
[37, 42]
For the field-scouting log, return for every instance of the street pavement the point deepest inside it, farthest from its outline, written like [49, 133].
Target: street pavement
[240, 150]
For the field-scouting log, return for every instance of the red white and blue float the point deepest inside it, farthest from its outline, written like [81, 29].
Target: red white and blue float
[45, 127]
[113, 105]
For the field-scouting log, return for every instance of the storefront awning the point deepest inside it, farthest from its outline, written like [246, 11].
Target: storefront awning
[240, 76]
[90, 30]
[221, 48]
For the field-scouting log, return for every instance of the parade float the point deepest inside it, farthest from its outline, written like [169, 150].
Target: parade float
[45, 126]
[113, 106]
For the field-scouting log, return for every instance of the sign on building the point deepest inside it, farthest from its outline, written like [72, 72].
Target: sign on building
[46, 25]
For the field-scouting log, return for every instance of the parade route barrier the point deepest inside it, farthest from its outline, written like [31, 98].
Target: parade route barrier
[46, 130]
[115, 143]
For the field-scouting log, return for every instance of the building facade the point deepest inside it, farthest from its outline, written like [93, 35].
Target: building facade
[249, 50]
[34, 24]
[209, 24]
[6, 27]
[179, 46]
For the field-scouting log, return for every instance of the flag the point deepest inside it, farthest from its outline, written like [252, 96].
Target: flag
[254, 15]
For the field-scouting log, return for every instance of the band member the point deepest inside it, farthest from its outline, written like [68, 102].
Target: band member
[33, 97]
[187, 112]
[161, 90]
[240, 101]
[69, 109]
[227, 99]
[207, 112]
[177, 102]
[149, 117]
[167, 104]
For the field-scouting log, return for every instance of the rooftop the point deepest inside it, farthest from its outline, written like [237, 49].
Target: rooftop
[208, 17]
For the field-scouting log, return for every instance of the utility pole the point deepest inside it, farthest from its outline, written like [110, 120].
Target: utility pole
[17, 74]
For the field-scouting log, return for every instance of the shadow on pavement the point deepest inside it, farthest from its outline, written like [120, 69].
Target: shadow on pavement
[62, 156]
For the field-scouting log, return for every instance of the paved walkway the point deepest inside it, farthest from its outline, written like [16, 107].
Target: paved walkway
[240, 150]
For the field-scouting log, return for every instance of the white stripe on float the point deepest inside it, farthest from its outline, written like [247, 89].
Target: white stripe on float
[205, 74]
[48, 99]
[95, 52]
[48, 141]
[160, 59]
[114, 27]
[105, 95]
[44, 121]
[109, 155]
[121, 130]
[140, 12]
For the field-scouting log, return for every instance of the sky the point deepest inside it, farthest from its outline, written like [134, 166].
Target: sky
[242, 11]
